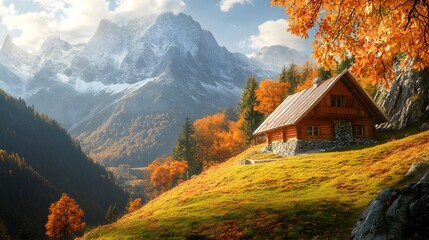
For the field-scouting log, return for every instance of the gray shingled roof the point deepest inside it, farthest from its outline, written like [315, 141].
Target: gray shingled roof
[297, 106]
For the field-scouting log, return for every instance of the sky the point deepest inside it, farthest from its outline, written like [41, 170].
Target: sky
[240, 25]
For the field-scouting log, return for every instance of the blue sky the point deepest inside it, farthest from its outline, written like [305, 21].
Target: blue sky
[240, 25]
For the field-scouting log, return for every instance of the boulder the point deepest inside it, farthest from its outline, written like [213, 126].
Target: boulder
[396, 214]
[424, 126]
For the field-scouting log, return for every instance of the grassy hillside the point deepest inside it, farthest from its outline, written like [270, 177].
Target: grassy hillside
[310, 196]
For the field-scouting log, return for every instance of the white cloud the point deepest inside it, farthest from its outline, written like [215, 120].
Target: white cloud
[274, 33]
[226, 5]
[75, 21]
[131, 9]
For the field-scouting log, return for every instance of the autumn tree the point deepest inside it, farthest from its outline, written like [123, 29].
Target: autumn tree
[219, 138]
[185, 148]
[167, 172]
[251, 117]
[134, 204]
[270, 94]
[65, 217]
[379, 34]
[308, 71]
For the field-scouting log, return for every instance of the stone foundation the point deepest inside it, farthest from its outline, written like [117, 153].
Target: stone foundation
[343, 138]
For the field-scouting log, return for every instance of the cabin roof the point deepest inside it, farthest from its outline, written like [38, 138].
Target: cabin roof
[298, 105]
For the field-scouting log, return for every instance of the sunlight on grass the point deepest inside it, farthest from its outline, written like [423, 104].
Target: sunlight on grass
[310, 196]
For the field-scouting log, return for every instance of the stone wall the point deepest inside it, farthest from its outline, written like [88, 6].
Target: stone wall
[343, 138]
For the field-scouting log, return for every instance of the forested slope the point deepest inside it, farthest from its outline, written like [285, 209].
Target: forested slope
[54, 164]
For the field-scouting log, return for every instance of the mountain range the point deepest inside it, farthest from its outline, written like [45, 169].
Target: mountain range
[125, 94]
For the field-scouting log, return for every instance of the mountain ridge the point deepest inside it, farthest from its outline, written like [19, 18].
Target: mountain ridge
[153, 68]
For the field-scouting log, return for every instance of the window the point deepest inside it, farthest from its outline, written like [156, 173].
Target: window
[337, 101]
[312, 130]
[358, 130]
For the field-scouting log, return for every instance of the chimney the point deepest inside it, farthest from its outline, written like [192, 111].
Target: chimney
[317, 81]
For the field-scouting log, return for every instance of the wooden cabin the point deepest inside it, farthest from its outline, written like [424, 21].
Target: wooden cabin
[313, 113]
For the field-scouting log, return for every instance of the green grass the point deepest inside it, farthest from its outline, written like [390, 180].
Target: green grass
[314, 196]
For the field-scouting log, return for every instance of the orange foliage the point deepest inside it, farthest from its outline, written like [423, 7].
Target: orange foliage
[134, 204]
[218, 138]
[64, 218]
[166, 172]
[377, 33]
[308, 72]
[270, 94]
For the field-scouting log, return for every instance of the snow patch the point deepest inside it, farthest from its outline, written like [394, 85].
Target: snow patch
[98, 87]
[222, 89]
[195, 99]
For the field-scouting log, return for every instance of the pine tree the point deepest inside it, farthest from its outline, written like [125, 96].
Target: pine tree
[344, 64]
[282, 75]
[112, 213]
[251, 118]
[185, 148]
[324, 74]
[292, 77]
[3, 232]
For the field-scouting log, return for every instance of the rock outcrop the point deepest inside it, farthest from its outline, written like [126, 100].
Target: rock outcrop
[397, 214]
[406, 101]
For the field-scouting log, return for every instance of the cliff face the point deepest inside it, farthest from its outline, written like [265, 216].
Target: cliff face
[407, 100]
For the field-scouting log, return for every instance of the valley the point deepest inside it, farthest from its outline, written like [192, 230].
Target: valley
[187, 119]
[125, 93]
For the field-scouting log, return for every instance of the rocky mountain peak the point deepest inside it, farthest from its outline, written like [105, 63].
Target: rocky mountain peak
[19, 62]
[53, 44]
[275, 57]
[106, 27]
[7, 43]
[9, 48]
[170, 30]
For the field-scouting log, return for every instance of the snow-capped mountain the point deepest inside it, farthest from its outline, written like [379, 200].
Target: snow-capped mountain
[125, 94]
[275, 57]
[16, 67]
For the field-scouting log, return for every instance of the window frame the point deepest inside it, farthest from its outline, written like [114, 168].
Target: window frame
[312, 129]
[337, 101]
[358, 130]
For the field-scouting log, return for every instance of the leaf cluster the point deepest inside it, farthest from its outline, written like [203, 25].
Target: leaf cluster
[379, 34]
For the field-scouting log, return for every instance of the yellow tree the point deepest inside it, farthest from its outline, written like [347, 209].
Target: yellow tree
[270, 94]
[134, 204]
[377, 33]
[65, 217]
